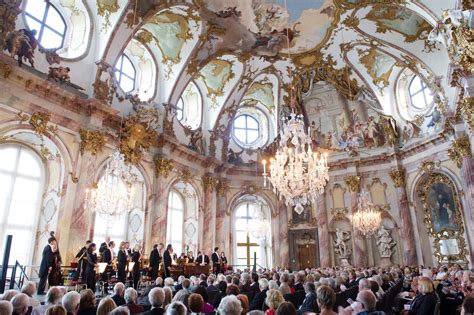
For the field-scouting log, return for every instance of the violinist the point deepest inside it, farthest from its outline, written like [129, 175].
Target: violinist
[91, 265]
[136, 266]
[55, 276]
[82, 263]
[122, 263]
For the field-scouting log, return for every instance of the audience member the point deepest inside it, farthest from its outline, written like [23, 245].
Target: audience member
[119, 290]
[71, 301]
[207, 307]
[156, 298]
[326, 298]
[87, 304]
[29, 288]
[56, 310]
[259, 299]
[106, 305]
[230, 305]
[468, 305]
[195, 303]
[309, 302]
[286, 308]
[273, 300]
[6, 308]
[131, 296]
[244, 302]
[168, 296]
[53, 297]
[176, 308]
[20, 304]
[8, 295]
[424, 303]
[120, 310]
[183, 294]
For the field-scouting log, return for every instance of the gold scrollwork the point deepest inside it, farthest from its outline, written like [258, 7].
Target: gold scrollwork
[105, 8]
[92, 141]
[428, 166]
[209, 182]
[222, 188]
[185, 175]
[339, 213]
[460, 148]
[466, 109]
[398, 177]
[136, 138]
[353, 182]
[437, 185]
[23, 117]
[39, 121]
[163, 167]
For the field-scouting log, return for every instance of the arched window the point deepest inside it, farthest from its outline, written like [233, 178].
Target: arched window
[247, 244]
[189, 107]
[174, 230]
[21, 182]
[125, 73]
[50, 26]
[421, 95]
[246, 129]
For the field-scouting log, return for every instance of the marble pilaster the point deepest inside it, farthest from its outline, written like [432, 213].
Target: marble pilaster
[222, 223]
[323, 231]
[159, 214]
[359, 251]
[209, 184]
[283, 247]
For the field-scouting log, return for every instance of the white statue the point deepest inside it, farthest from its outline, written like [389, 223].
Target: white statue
[385, 242]
[340, 246]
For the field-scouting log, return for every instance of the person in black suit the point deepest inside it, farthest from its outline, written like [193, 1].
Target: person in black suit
[190, 257]
[299, 281]
[155, 259]
[81, 263]
[90, 269]
[202, 259]
[136, 266]
[258, 300]
[425, 300]
[156, 298]
[46, 265]
[254, 286]
[309, 302]
[103, 247]
[122, 263]
[216, 266]
[108, 256]
[167, 260]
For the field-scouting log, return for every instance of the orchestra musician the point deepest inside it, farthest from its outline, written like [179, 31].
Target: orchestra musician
[91, 265]
[103, 247]
[216, 266]
[135, 257]
[155, 259]
[55, 276]
[223, 261]
[122, 263]
[190, 257]
[108, 256]
[81, 263]
[167, 260]
[182, 260]
[202, 259]
[47, 261]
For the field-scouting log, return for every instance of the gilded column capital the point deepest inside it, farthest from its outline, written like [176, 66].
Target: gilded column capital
[222, 188]
[353, 182]
[460, 148]
[398, 177]
[209, 182]
[92, 141]
[163, 167]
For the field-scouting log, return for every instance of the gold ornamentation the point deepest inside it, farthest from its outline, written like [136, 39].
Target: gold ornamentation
[9, 11]
[222, 188]
[3, 139]
[105, 8]
[353, 182]
[39, 121]
[45, 153]
[185, 175]
[92, 141]
[435, 185]
[460, 149]
[461, 48]
[163, 167]
[23, 117]
[369, 59]
[428, 166]
[103, 90]
[340, 213]
[351, 21]
[251, 189]
[398, 177]
[6, 69]
[74, 178]
[466, 108]
[144, 37]
[456, 78]
[136, 138]
[209, 182]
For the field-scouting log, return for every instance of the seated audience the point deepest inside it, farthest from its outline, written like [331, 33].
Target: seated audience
[207, 307]
[168, 296]
[106, 305]
[119, 290]
[56, 310]
[273, 300]
[29, 288]
[120, 310]
[232, 289]
[6, 308]
[176, 308]
[284, 286]
[20, 304]
[183, 294]
[309, 302]
[156, 298]
[468, 305]
[244, 302]
[195, 304]
[8, 295]
[53, 297]
[230, 305]
[71, 301]
[286, 308]
[87, 303]
[326, 297]
[425, 301]
[131, 296]
[259, 299]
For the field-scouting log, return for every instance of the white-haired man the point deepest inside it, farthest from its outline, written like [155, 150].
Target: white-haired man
[156, 298]
[29, 288]
[70, 302]
[230, 305]
[20, 304]
[53, 297]
[6, 308]
[259, 299]
[131, 296]
[119, 290]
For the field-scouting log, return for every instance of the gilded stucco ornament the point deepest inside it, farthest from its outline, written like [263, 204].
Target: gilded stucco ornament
[443, 218]
[209, 182]
[136, 138]
[398, 177]
[163, 166]
[39, 121]
[105, 8]
[339, 213]
[428, 166]
[93, 141]
[74, 178]
[185, 175]
[460, 149]
[5, 69]
[9, 11]
[466, 109]
[222, 188]
[104, 88]
[353, 182]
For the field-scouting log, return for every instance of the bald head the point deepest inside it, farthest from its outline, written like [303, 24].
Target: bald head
[6, 308]
[368, 299]
[20, 303]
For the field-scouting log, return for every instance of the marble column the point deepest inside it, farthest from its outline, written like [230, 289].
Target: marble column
[467, 177]
[222, 219]
[209, 182]
[283, 247]
[159, 213]
[359, 251]
[408, 236]
[323, 231]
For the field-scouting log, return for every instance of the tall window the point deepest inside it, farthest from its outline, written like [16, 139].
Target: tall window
[125, 73]
[114, 227]
[174, 229]
[189, 107]
[21, 182]
[50, 27]
[247, 244]
[246, 129]
[179, 109]
[420, 94]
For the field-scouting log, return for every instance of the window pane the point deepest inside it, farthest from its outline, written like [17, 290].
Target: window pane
[252, 123]
[179, 114]
[8, 157]
[127, 67]
[429, 96]
[23, 185]
[241, 211]
[418, 100]
[126, 84]
[239, 122]
[240, 135]
[33, 24]
[21, 245]
[252, 136]
[242, 262]
[241, 237]
[54, 20]
[21, 213]
[241, 224]
[241, 252]
[36, 8]
[50, 39]
[29, 164]
[415, 85]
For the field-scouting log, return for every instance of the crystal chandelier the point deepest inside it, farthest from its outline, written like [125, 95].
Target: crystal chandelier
[296, 172]
[114, 193]
[367, 218]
